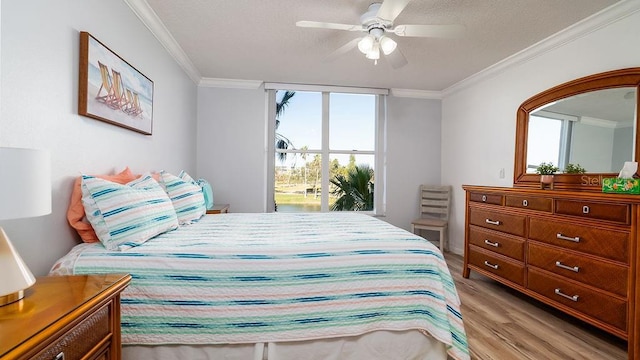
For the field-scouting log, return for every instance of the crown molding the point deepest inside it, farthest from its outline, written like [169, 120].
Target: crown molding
[229, 83]
[592, 23]
[150, 19]
[418, 94]
[609, 124]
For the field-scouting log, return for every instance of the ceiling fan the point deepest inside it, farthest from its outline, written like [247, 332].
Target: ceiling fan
[377, 22]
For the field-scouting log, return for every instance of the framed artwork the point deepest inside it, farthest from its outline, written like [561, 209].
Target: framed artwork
[112, 90]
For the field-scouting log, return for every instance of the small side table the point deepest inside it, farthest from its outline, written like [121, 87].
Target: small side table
[219, 209]
[62, 317]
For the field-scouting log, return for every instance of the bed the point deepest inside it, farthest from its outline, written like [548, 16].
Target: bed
[282, 286]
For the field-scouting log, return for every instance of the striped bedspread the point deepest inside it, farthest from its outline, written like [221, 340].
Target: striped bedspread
[248, 278]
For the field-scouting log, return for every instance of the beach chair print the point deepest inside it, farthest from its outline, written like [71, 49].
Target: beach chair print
[119, 99]
[129, 108]
[136, 104]
[106, 85]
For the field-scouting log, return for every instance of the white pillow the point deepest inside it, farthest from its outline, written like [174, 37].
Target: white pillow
[127, 215]
[186, 196]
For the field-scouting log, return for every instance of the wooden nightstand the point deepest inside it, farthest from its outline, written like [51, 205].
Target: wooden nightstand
[65, 318]
[219, 209]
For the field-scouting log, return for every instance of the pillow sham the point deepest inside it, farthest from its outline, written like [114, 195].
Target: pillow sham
[186, 196]
[75, 212]
[127, 215]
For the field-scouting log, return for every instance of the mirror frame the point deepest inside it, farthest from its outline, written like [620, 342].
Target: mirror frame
[629, 77]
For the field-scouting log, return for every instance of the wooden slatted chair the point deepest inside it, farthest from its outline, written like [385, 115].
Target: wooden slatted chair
[434, 211]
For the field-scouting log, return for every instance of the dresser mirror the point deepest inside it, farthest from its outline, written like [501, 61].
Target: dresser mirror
[591, 122]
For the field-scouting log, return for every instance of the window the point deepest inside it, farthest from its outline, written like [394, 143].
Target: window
[326, 147]
[549, 139]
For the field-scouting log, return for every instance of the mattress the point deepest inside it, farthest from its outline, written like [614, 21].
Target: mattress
[279, 278]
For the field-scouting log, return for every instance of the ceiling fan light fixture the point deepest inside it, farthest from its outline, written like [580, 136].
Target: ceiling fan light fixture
[374, 53]
[365, 45]
[388, 45]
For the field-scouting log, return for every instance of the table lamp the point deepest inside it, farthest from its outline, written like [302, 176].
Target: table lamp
[25, 191]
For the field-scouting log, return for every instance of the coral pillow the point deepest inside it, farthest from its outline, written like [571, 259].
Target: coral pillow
[75, 212]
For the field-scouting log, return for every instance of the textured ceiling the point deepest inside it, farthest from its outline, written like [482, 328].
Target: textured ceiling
[258, 40]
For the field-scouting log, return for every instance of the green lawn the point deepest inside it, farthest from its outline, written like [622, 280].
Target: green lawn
[289, 198]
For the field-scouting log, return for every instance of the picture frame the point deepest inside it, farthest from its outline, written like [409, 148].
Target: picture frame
[111, 90]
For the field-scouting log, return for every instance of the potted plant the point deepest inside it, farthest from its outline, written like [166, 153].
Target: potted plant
[574, 169]
[546, 171]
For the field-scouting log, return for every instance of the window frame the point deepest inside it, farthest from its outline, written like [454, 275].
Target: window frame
[566, 133]
[379, 151]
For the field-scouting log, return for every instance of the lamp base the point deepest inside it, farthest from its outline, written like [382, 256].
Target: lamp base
[11, 298]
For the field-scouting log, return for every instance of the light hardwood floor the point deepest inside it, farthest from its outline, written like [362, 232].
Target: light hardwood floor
[502, 324]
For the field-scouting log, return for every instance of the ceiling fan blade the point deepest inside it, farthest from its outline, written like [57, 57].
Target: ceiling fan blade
[342, 50]
[440, 31]
[390, 9]
[397, 59]
[326, 25]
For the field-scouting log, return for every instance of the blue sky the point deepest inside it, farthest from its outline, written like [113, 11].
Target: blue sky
[351, 125]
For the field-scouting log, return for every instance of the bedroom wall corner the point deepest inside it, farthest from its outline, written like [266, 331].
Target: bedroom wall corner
[478, 133]
[413, 155]
[39, 60]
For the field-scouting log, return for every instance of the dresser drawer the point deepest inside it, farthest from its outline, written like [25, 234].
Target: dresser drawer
[508, 270]
[600, 274]
[502, 244]
[593, 210]
[528, 202]
[82, 338]
[508, 223]
[608, 309]
[610, 244]
[487, 198]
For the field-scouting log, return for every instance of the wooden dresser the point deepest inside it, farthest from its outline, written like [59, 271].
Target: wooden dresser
[65, 318]
[575, 251]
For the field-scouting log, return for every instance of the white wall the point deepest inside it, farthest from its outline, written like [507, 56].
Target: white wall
[231, 146]
[478, 122]
[588, 143]
[413, 155]
[231, 149]
[40, 47]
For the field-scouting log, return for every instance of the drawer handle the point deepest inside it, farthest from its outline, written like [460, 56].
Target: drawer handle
[492, 222]
[566, 267]
[574, 239]
[495, 267]
[525, 203]
[60, 356]
[484, 198]
[494, 244]
[572, 298]
[585, 209]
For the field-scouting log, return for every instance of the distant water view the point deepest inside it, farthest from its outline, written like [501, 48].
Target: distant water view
[298, 208]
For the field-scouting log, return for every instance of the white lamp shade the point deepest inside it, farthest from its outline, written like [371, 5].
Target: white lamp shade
[25, 183]
[388, 45]
[366, 44]
[374, 54]
[15, 273]
[25, 191]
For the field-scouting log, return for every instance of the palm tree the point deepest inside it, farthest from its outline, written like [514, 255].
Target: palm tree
[282, 142]
[355, 190]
